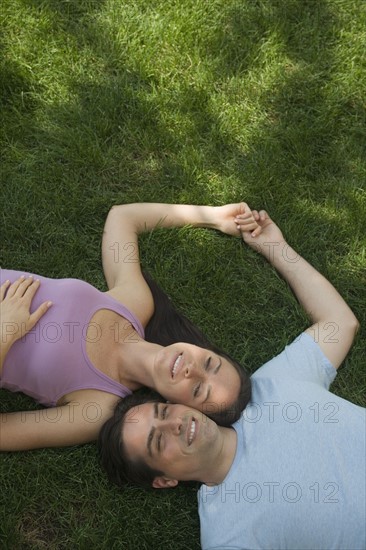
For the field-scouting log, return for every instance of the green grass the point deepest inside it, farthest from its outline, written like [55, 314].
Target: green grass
[105, 102]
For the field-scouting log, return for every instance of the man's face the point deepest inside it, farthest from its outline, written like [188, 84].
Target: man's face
[171, 438]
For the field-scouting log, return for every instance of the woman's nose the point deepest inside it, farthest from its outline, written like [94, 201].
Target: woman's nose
[188, 371]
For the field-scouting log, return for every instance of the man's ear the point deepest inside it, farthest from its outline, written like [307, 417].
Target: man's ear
[162, 482]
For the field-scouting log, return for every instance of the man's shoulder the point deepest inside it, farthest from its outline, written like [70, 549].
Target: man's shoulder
[302, 359]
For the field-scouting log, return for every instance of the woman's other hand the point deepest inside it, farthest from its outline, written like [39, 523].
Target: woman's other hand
[15, 302]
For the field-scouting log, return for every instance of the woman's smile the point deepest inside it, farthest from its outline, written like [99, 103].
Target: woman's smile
[177, 365]
[185, 373]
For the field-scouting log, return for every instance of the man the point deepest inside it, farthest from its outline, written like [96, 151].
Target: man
[291, 472]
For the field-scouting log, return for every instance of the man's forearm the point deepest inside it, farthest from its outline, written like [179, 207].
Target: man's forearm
[333, 322]
[316, 294]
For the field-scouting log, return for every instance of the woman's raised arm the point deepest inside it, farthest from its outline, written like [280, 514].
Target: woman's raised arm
[120, 252]
[125, 222]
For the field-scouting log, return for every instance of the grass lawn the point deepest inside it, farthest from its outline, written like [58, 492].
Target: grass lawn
[106, 102]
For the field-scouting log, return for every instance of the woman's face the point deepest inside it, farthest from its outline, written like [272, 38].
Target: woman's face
[197, 377]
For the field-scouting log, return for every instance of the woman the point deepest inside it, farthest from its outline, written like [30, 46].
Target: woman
[87, 350]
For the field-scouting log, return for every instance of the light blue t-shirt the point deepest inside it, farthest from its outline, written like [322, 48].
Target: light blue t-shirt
[298, 476]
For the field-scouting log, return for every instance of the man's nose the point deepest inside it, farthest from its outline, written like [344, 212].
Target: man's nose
[172, 425]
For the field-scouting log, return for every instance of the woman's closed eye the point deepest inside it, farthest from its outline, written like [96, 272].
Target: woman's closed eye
[197, 389]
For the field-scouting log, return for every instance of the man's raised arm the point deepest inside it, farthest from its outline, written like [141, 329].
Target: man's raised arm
[334, 324]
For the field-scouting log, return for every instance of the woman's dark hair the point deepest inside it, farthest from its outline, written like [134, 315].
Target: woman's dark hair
[168, 326]
[112, 451]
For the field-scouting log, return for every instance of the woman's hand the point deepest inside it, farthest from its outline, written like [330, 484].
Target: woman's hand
[226, 220]
[15, 302]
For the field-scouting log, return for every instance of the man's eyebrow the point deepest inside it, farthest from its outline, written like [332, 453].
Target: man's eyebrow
[152, 431]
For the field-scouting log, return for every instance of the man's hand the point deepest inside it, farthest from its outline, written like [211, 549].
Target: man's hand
[226, 216]
[267, 232]
[15, 310]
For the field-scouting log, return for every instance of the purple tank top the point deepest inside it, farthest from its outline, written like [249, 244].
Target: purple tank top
[51, 360]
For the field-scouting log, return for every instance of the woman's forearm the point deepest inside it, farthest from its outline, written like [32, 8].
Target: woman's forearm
[148, 216]
[125, 222]
[4, 349]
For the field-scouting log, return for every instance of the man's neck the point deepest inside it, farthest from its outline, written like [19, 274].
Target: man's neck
[224, 458]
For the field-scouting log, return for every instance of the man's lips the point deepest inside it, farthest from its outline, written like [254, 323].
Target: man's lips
[177, 365]
[192, 430]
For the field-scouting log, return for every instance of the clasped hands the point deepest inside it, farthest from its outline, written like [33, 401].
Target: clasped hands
[253, 226]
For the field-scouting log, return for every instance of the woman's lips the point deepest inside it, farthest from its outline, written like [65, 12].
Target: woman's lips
[177, 365]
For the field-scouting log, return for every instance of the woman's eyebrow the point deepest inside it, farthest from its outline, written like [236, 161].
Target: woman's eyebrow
[218, 366]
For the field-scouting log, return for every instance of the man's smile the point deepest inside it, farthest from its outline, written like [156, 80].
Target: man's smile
[192, 430]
